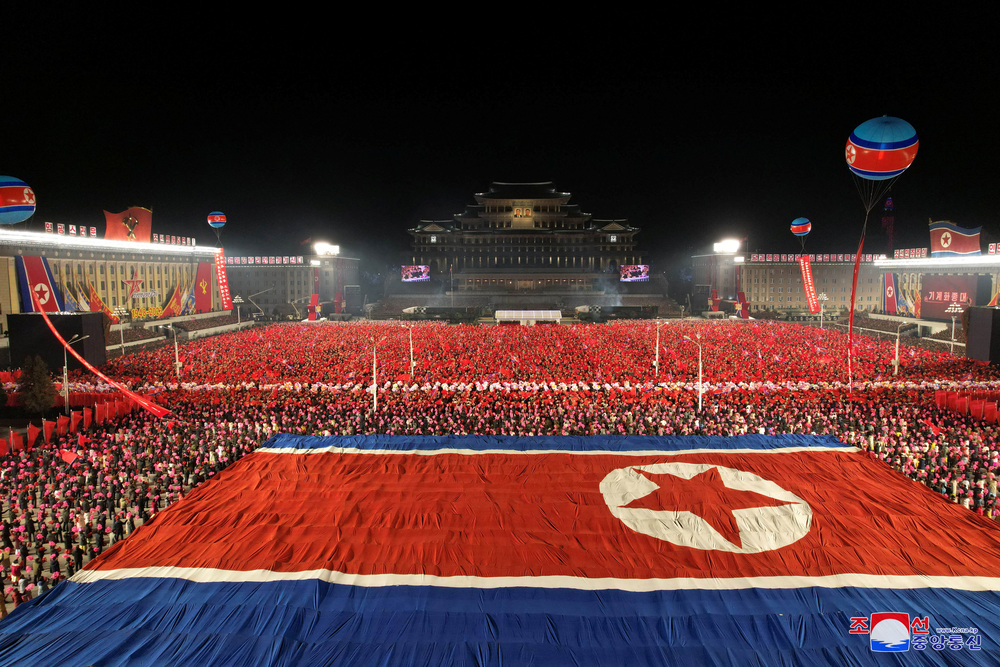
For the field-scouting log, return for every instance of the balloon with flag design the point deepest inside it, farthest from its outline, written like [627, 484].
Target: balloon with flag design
[801, 226]
[17, 200]
[217, 220]
[878, 151]
[881, 148]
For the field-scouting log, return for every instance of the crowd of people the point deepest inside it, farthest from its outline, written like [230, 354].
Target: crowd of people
[66, 501]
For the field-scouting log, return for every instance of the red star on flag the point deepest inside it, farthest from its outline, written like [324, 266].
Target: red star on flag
[705, 495]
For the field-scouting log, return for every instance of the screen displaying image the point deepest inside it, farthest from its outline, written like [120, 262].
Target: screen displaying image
[416, 273]
[632, 273]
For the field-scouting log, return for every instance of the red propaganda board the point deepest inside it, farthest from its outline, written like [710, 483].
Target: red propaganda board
[808, 286]
[220, 276]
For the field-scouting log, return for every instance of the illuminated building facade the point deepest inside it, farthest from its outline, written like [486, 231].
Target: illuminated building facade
[284, 285]
[916, 287]
[70, 273]
[523, 237]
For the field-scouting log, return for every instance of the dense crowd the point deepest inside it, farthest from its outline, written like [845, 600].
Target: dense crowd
[65, 502]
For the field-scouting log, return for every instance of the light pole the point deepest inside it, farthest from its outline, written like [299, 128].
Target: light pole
[953, 310]
[75, 339]
[177, 357]
[895, 362]
[120, 313]
[822, 298]
[413, 364]
[700, 385]
[238, 300]
[656, 362]
[375, 377]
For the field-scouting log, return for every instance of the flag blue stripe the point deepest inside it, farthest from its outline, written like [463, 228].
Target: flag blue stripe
[170, 621]
[567, 443]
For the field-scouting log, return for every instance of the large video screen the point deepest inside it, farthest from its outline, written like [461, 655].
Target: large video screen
[938, 292]
[634, 273]
[415, 273]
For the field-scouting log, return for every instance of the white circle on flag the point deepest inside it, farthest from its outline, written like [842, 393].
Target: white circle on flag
[42, 292]
[760, 528]
[945, 239]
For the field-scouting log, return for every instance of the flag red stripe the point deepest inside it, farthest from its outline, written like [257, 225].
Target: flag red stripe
[500, 515]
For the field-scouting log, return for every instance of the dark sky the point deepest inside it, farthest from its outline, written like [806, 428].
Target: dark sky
[351, 131]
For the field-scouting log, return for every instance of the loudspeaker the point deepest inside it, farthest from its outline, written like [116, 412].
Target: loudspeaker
[30, 335]
[983, 339]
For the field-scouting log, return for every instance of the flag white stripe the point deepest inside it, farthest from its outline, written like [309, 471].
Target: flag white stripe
[212, 575]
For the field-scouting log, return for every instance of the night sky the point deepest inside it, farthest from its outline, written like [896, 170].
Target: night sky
[347, 132]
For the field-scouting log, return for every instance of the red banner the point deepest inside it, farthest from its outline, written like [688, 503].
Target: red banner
[132, 224]
[203, 288]
[220, 276]
[175, 304]
[808, 286]
[97, 306]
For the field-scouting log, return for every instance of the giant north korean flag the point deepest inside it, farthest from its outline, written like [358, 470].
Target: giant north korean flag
[551, 550]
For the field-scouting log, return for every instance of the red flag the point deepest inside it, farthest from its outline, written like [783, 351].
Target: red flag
[16, 442]
[934, 429]
[62, 424]
[47, 428]
[132, 224]
[75, 418]
[67, 455]
[88, 416]
[3, 447]
[33, 432]
[100, 413]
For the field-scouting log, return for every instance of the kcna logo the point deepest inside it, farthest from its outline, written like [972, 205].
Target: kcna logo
[896, 632]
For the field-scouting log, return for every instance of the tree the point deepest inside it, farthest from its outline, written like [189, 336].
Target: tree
[38, 394]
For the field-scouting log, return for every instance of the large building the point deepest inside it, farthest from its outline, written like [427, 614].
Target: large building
[284, 285]
[916, 286]
[79, 272]
[522, 237]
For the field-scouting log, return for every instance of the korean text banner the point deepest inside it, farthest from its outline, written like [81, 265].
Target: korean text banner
[549, 550]
[808, 286]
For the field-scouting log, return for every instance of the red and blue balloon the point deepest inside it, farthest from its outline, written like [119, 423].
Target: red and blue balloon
[881, 148]
[216, 219]
[17, 200]
[801, 226]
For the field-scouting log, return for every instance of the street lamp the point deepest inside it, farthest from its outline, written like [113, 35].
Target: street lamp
[822, 298]
[238, 300]
[177, 358]
[953, 310]
[375, 376]
[120, 313]
[895, 362]
[656, 362]
[75, 339]
[700, 385]
[413, 364]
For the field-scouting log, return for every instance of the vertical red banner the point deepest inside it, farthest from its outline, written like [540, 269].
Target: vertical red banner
[220, 277]
[808, 286]
[203, 288]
